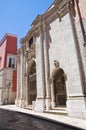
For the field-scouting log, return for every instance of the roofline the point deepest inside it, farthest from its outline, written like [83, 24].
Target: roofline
[9, 34]
[39, 15]
[4, 37]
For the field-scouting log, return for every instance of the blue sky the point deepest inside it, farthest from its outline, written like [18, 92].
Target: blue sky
[16, 16]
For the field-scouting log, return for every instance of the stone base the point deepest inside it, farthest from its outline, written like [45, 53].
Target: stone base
[20, 102]
[77, 114]
[77, 107]
[39, 105]
[48, 103]
[53, 104]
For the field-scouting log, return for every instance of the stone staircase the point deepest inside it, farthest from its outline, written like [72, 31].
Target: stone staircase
[57, 110]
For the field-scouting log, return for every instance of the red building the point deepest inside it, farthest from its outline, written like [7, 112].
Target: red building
[8, 51]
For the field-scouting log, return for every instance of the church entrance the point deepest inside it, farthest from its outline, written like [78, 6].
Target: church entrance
[32, 88]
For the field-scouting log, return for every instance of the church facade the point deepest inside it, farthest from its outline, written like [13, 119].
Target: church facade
[51, 63]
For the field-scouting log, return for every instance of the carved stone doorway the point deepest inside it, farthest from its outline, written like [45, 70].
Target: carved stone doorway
[32, 89]
[60, 94]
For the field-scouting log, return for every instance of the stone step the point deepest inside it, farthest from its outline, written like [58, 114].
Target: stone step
[60, 108]
[29, 107]
[56, 111]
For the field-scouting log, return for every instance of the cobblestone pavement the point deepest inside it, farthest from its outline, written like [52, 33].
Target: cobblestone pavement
[10, 120]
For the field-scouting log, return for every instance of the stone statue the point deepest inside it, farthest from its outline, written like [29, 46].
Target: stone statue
[58, 74]
[58, 79]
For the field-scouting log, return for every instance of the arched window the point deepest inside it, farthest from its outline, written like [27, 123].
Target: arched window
[30, 42]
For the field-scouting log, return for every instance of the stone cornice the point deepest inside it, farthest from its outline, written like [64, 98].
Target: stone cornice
[36, 20]
[59, 7]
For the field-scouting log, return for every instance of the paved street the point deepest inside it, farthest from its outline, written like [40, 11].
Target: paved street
[10, 120]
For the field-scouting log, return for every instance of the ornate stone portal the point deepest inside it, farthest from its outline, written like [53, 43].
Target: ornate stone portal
[31, 74]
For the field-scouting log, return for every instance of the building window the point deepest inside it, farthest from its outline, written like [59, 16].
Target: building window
[11, 62]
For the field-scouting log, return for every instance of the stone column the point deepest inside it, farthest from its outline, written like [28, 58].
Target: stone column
[17, 91]
[22, 91]
[40, 71]
[26, 80]
[24, 77]
[47, 69]
[21, 78]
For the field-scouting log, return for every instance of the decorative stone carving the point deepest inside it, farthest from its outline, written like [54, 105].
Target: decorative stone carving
[31, 67]
[30, 52]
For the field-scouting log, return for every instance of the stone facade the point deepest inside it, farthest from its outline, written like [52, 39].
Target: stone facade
[58, 34]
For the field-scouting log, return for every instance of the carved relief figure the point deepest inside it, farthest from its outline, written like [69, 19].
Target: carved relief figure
[58, 79]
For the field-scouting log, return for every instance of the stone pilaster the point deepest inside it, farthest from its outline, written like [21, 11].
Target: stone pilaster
[26, 80]
[47, 69]
[18, 81]
[22, 84]
[40, 100]
[81, 29]
[75, 97]
[17, 92]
